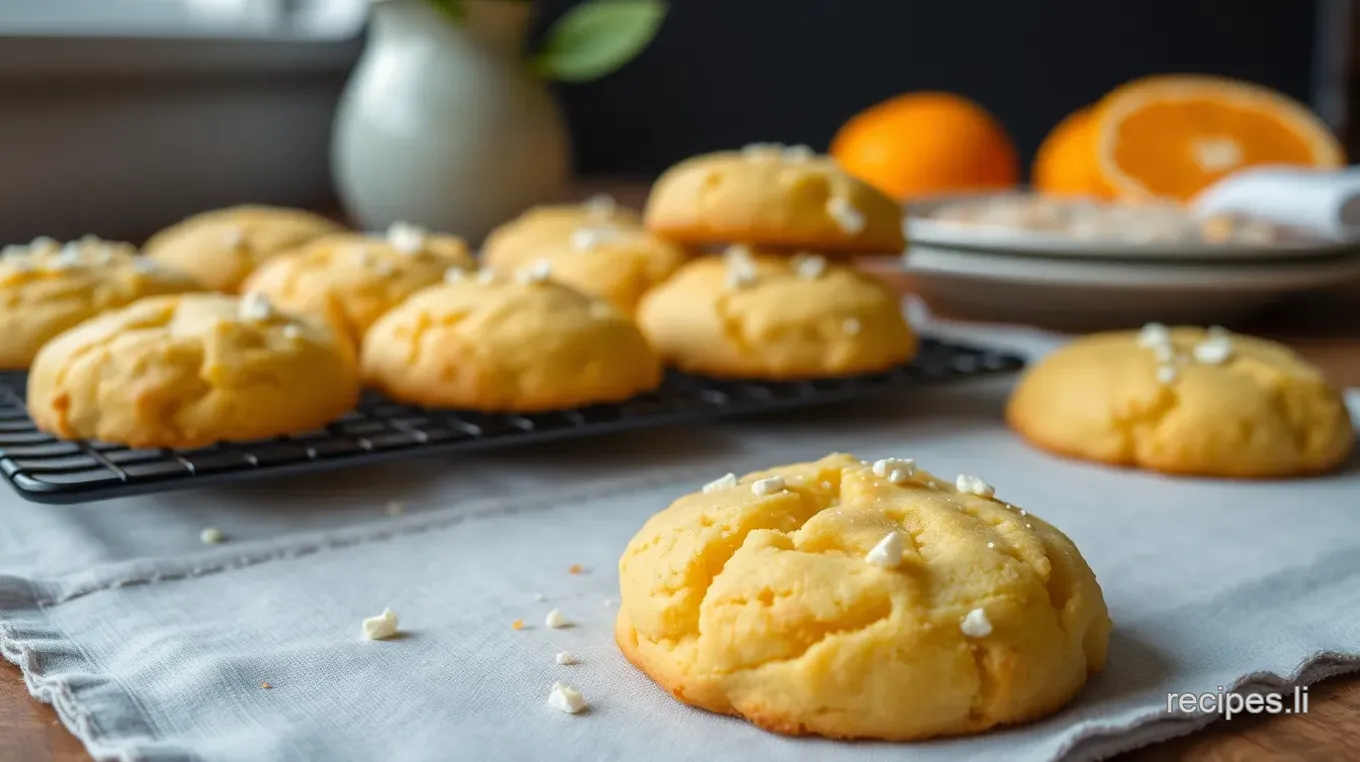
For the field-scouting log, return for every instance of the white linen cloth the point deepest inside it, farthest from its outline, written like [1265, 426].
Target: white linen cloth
[153, 646]
[1325, 203]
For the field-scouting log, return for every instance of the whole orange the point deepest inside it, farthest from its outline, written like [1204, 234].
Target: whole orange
[928, 143]
[1066, 162]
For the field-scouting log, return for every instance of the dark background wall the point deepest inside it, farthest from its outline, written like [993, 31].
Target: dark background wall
[723, 73]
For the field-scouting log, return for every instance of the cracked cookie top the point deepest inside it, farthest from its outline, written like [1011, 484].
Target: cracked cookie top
[349, 279]
[775, 196]
[1184, 401]
[749, 315]
[46, 288]
[856, 599]
[222, 247]
[598, 248]
[495, 342]
[190, 370]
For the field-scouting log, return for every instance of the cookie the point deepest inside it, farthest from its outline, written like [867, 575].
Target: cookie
[1183, 401]
[494, 343]
[774, 197]
[350, 279]
[746, 315]
[860, 600]
[187, 371]
[46, 288]
[222, 247]
[596, 248]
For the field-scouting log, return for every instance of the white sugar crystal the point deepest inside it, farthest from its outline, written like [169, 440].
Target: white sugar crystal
[849, 219]
[887, 553]
[42, 243]
[756, 151]
[601, 205]
[567, 657]
[382, 626]
[1213, 351]
[211, 536]
[255, 306]
[739, 252]
[556, 619]
[895, 470]
[592, 238]
[1166, 374]
[538, 272]
[768, 486]
[810, 267]
[1153, 335]
[976, 624]
[798, 154]
[727, 481]
[565, 698]
[145, 265]
[455, 275]
[740, 274]
[974, 486]
[405, 237]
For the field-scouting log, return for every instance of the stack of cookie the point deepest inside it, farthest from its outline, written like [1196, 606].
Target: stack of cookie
[775, 303]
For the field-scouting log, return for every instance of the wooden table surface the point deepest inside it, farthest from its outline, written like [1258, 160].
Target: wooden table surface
[30, 731]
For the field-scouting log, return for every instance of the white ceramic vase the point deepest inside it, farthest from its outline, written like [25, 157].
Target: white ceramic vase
[443, 126]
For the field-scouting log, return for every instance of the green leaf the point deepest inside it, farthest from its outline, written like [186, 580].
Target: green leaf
[598, 37]
[451, 8]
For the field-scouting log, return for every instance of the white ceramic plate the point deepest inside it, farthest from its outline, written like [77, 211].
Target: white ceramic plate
[1096, 294]
[921, 229]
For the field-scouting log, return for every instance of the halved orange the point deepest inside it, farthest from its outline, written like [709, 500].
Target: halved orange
[1171, 136]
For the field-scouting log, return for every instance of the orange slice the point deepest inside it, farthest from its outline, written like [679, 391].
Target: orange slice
[1171, 136]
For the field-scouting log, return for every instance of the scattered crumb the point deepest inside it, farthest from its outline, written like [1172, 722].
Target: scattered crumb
[395, 508]
[567, 657]
[382, 626]
[518, 624]
[556, 619]
[540, 597]
[575, 569]
[265, 686]
[565, 698]
[211, 536]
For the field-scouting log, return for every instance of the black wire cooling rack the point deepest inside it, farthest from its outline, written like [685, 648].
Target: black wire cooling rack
[45, 469]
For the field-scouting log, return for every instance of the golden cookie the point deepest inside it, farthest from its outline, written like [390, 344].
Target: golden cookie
[46, 288]
[350, 279]
[488, 342]
[222, 247]
[851, 600]
[187, 371]
[1183, 401]
[773, 197]
[752, 316]
[599, 250]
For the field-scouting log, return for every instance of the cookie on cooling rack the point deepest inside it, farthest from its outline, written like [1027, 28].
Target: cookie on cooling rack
[1184, 401]
[497, 343]
[596, 248]
[187, 371]
[46, 288]
[350, 279]
[860, 600]
[776, 197]
[222, 247]
[745, 315]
